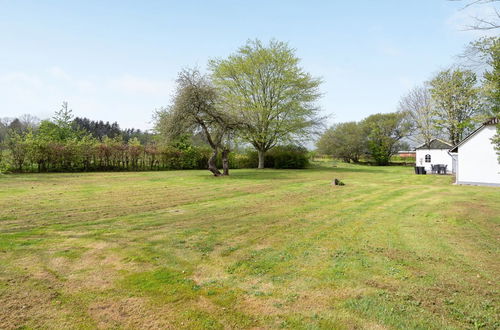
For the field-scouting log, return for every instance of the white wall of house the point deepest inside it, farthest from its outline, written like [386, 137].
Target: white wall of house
[438, 156]
[477, 159]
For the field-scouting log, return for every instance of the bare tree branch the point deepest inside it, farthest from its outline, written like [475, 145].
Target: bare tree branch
[482, 24]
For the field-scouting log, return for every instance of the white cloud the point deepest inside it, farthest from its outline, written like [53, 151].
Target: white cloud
[134, 84]
[20, 78]
[406, 82]
[58, 73]
[86, 86]
[388, 49]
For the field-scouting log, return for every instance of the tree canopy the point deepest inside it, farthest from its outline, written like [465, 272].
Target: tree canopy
[196, 108]
[384, 132]
[344, 140]
[272, 94]
[417, 104]
[457, 102]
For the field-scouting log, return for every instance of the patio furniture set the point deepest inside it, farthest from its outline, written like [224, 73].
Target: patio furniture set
[435, 169]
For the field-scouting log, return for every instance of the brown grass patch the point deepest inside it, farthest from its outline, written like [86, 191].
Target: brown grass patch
[129, 313]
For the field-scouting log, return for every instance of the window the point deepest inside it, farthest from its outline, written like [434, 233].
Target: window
[427, 158]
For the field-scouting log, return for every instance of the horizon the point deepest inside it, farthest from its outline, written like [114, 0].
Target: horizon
[114, 62]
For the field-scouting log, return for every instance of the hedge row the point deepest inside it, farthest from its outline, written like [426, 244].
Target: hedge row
[29, 154]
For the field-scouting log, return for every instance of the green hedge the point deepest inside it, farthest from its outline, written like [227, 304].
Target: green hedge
[280, 157]
[32, 155]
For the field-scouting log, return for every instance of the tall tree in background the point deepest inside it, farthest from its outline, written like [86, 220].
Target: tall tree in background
[491, 86]
[196, 108]
[417, 104]
[62, 121]
[271, 93]
[384, 132]
[98, 129]
[344, 140]
[4, 126]
[457, 102]
[486, 51]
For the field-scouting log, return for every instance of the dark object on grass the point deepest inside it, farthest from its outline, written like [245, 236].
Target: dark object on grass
[420, 170]
[337, 182]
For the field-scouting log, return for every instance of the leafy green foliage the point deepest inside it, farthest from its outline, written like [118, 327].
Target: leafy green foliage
[457, 102]
[62, 122]
[383, 133]
[196, 109]
[491, 49]
[377, 136]
[345, 141]
[271, 94]
[280, 157]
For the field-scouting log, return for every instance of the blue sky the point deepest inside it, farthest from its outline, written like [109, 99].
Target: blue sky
[117, 60]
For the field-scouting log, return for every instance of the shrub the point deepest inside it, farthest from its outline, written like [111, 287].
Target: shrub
[290, 157]
[280, 157]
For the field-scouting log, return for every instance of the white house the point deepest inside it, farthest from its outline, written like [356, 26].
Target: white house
[433, 153]
[477, 158]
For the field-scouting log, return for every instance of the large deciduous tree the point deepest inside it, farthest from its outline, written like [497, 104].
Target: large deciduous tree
[4, 127]
[345, 141]
[457, 102]
[484, 54]
[196, 108]
[273, 95]
[417, 104]
[384, 132]
[491, 88]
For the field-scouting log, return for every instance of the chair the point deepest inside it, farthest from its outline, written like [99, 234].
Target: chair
[435, 169]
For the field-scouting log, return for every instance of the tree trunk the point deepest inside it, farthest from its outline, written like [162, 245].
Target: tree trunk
[212, 166]
[261, 158]
[225, 161]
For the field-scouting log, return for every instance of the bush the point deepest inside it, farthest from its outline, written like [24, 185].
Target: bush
[187, 158]
[248, 159]
[290, 157]
[280, 157]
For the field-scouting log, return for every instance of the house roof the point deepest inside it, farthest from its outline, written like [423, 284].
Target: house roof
[435, 144]
[491, 121]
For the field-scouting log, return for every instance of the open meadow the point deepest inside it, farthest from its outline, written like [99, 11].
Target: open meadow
[257, 249]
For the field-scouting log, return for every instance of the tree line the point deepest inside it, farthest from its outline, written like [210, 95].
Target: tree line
[61, 144]
[64, 144]
[376, 138]
[449, 106]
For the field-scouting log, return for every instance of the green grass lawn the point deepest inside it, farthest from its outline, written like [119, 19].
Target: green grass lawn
[258, 249]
